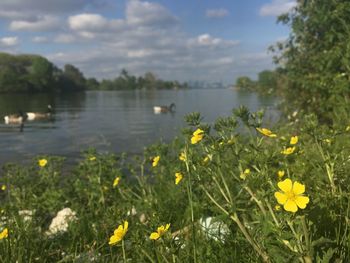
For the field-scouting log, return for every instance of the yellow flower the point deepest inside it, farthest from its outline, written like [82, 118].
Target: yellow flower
[178, 178]
[42, 162]
[92, 158]
[197, 136]
[266, 132]
[206, 159]
[4, 233]
[294, 140]
[277, 207]
[119, 233]
[288, 151]
[3, 187]
[280, 174]
[291, 196]
[183, 157]
[327, 141]
[160, 232]
[155, 161]
[116, 181]
[243, 175]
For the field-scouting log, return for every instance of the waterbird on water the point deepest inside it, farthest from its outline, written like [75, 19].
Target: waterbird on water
[19, 118]
[31, 116]
[164, 109]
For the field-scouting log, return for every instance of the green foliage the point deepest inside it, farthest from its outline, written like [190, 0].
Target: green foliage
[32, 73]
[316, 58]
[223, 209]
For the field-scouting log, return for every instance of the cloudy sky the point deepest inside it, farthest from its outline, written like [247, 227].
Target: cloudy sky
[182, 40]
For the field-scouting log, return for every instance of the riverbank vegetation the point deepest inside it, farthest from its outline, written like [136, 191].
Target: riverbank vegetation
[238, 190]
[212, 195]
[34, 73]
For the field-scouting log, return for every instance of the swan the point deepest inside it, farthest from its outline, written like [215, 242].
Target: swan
[164, 109]
[31, 116]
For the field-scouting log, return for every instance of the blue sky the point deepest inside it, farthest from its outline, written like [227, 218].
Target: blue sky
[176, 39]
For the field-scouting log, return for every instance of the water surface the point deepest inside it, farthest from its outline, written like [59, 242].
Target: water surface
[114, 121]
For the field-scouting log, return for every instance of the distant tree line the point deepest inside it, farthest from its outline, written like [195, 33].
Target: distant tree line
[268, 82]
[34, 73]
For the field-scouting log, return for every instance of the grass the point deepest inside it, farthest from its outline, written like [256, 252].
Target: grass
[223, 210]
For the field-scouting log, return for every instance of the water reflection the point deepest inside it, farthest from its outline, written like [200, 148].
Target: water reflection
[114, 121]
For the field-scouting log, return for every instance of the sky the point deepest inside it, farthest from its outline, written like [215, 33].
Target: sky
[184, 40]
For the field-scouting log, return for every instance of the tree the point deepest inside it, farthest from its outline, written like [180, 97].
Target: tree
[316, 57]
[245, 83]
[72, 78]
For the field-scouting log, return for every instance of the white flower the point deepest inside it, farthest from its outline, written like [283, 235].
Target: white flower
[26, 214]
[61, 221]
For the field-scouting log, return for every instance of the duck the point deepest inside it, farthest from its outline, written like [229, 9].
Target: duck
[31, 116]
[19, 118]
[164, 109]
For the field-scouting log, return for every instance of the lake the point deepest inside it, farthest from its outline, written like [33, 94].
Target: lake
[114, 121]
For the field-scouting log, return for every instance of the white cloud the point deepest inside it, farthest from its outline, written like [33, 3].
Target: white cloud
[146, 13]
[92, 22]
[8, 41]
[16, 9]
[217, 13]
[65, 38]
[40, 39]
[209, 41]
[277, 7]
[148, 38]
[44, 23]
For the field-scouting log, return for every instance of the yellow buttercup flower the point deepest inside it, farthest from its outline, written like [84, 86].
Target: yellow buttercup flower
[291, 196]
[266, 132]
[116, 181]
[4, 233]
[183, 157]
[288, 150]
[42, 162]
[277, 207]
[119, 233]
[280, 174]
[160, 232]
[243, 175]
[3, 187]
[197, 136]
[92, 158]
[155, 161]
[178, 178]
[294, 140]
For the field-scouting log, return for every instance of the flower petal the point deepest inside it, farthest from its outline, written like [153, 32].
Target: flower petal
[298, 188]
[114, 239]
[126, 225]
[290, 206]
[286, 185]
[281, 198]
[154, 236]
[302, 201]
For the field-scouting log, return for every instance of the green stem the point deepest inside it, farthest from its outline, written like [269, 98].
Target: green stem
[123, 249]
[190, 200]
[244, 231]
[307, 238]
[257, 201]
